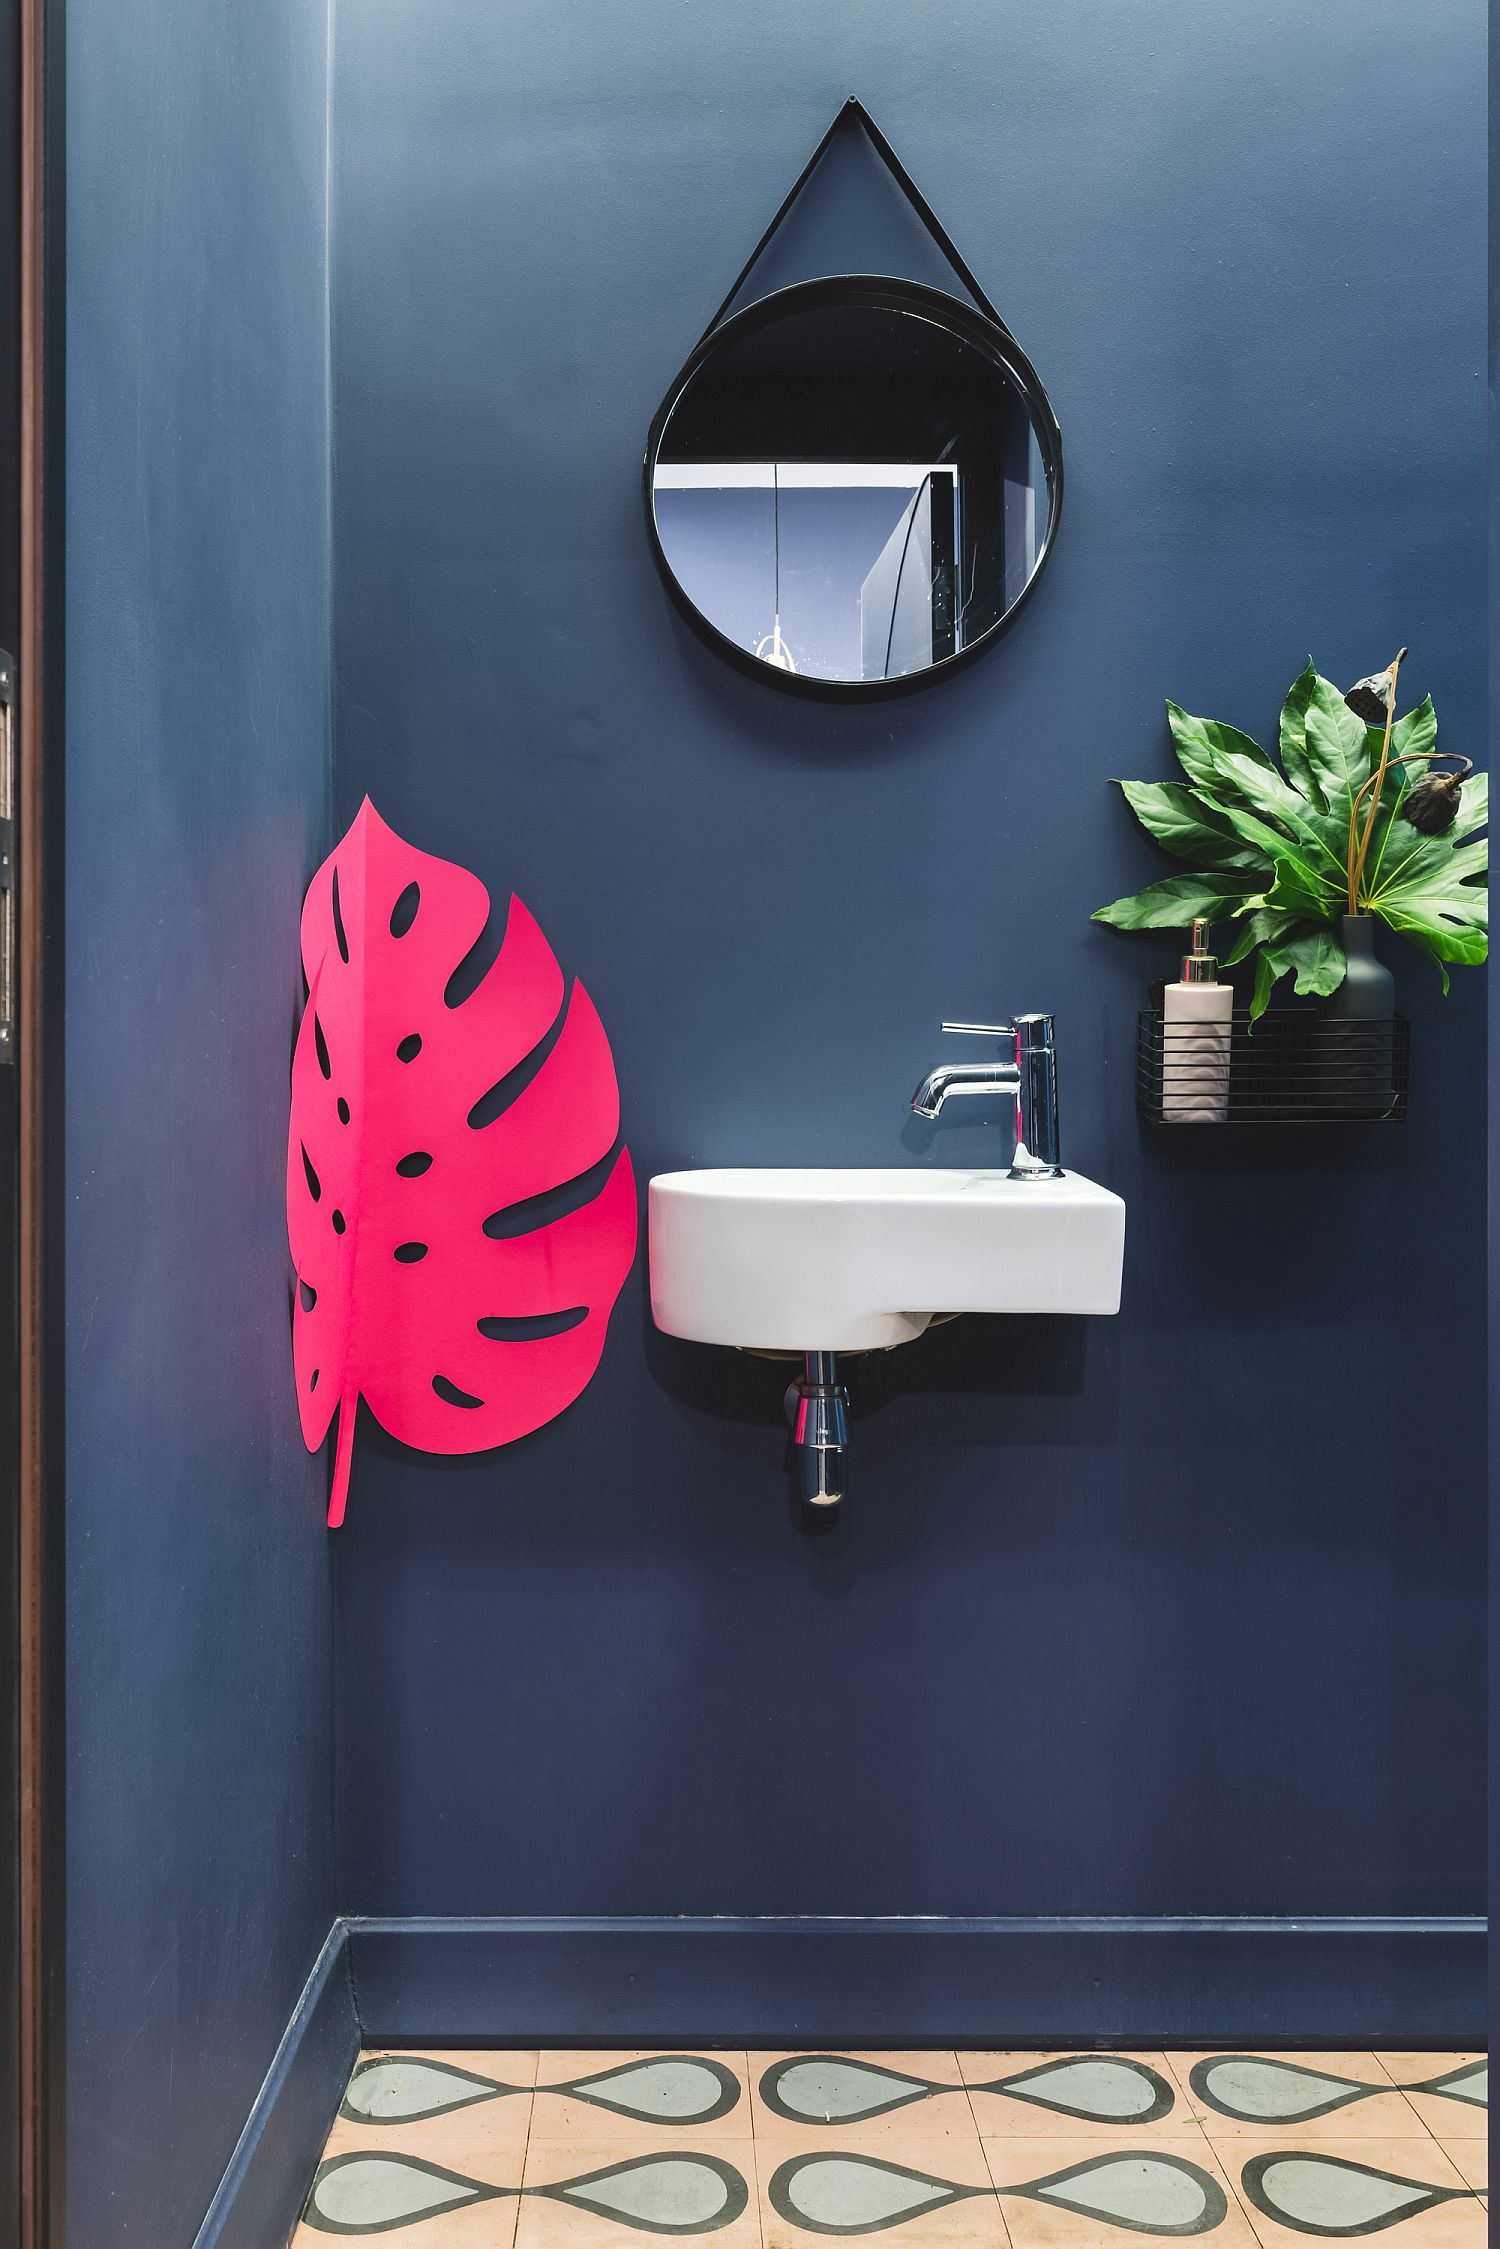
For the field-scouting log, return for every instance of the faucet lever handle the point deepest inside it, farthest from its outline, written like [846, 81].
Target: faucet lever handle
[1033, 1034]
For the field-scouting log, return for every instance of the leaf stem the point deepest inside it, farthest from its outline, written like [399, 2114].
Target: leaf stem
[1407, 757]
[343, 1458]
[1356, 864]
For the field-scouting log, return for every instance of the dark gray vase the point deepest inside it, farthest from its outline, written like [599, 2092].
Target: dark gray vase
[1359, 1026]
[1368, 992]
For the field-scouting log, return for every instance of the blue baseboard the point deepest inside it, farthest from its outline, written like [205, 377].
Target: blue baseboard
[261, 2193]
[994, 1982]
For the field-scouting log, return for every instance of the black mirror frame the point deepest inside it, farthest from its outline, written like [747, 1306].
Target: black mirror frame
[880, 292]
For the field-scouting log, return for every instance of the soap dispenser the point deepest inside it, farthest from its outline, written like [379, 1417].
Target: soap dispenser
[1195, 1038]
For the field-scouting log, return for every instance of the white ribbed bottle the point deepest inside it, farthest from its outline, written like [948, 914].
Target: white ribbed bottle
[1195, 1039]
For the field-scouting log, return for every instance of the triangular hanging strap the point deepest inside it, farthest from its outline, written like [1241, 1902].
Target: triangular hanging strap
[909, 189]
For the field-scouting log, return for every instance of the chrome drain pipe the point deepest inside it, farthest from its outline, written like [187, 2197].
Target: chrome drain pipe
[818, 1409]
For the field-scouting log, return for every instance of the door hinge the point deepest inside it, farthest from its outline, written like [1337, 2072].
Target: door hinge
[7, 856]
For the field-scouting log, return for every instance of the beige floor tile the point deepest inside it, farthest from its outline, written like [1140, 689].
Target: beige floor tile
[486, 2222]
[495, 2135]
[1097, 2080]
[1445, 2117]
[859, 2173]
[844, 2080]
[491, 2226]
[564, 2115]
[1114, 2176]
[680, 2179]
[1471, 2160]
[1382, 2113]
[1450, 2224]
[934, 2136]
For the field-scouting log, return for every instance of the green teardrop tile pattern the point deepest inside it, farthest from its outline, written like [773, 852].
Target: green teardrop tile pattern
[371, 2192]
[1154, 2194]
[1107, 2088]
[832, 2089]
[1255, 2090]
[396, 2089]
[1334, 2198]
[1469, 2082]
[835, 2193]
[684, 2192]
[847, 2194]
[667, 2088]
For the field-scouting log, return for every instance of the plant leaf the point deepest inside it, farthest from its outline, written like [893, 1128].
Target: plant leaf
[1266, 926]
[1415, 733]
[1300, 696]
[1268, 813]
[1314, 956]
[1441, 950]
[1237, 779]
[1303, 889]
[1338, 749]
[1437, 869]
[1185, 825]
[1435, 892]
[1177, 901]
[1200, 743]
[1312, 845]
[1318, 959]
[1267, 975]
[1271, 797]
[426, 1283]
[1473, 808]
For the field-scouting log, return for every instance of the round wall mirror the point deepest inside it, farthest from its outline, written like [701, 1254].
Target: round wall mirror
[853, 485]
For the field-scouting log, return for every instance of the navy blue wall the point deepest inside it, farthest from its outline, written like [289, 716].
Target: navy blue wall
[1177, 1614]
[199, 1849]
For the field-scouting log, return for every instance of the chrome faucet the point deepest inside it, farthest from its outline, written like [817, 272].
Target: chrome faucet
[1032, 1075]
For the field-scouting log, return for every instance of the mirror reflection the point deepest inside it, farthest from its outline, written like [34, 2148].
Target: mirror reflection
[855, 488]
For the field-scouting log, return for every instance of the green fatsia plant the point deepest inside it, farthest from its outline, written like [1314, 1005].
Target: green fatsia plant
[1353, 818]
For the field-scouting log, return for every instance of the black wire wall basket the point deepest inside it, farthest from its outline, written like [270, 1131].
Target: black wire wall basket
[1295, 1066]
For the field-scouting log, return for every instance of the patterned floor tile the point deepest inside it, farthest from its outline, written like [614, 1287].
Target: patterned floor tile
[1060, 2193]
[815, 2099]
[395, 2085]
[1313, 2188]
[640, 2095]
[1471, 2160]
[440, 2105]
[379, 2190]
[1459, 2112]
[441, 2149]
[1078, 2095]
[598, 2193]
[1263, 2094]
[935, 2194]
[497, 2144]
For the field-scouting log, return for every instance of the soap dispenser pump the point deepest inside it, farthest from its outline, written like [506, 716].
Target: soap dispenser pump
[1195, 1038]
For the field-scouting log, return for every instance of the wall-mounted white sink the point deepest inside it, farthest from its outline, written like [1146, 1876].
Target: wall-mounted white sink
[860, 1260]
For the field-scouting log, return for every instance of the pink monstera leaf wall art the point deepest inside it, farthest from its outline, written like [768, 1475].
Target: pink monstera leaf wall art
[430, 1281]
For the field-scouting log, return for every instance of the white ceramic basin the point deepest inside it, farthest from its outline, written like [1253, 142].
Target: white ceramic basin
[859, 1260]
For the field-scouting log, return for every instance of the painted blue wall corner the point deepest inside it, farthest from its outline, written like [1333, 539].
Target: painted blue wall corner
[261, 2194]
